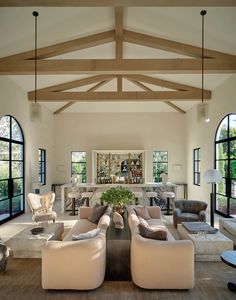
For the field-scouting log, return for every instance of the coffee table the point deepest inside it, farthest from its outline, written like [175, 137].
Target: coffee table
[26, 245]
[207, 247]
[229, 258]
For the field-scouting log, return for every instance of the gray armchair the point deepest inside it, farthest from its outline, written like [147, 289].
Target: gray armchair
[189, 211]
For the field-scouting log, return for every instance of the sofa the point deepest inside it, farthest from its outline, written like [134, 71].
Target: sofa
[189, 211]
[159, 264]
[227, 226]
[77, 264]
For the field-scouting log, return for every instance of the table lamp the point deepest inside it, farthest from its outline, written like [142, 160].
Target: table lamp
[212, 176]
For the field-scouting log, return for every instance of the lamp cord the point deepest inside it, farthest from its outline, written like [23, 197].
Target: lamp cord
[35, 14]
[203, 13]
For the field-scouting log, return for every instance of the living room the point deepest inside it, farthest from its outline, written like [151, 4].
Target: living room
[125, 124]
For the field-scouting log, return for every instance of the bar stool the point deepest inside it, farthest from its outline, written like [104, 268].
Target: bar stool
[168, 196]
[151, 196]
[137, 196]
[73, 196]
[87, 196]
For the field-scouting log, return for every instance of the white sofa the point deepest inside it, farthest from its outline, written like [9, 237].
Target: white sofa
[227, 226]
[159, 264]
[80, 264]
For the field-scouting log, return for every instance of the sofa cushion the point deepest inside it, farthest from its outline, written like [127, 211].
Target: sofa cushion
[230, 226]
[147, 232]
[97, 212]
[142, 212]
[86, 235]
[81, 226]
[189, 217]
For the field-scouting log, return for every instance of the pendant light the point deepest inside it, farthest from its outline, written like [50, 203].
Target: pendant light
[203, 108]
[35, 108]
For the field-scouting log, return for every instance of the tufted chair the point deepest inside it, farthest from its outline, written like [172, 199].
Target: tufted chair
[41, 206]
[189, 211]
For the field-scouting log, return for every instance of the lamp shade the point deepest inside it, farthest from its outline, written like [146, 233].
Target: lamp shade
[212, 176]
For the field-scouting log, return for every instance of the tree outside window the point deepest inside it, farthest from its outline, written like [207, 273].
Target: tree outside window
[42, 166]
[196, 166]
[79, 165]
[160, 164]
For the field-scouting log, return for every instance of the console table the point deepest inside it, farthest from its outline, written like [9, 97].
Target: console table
[118, 252]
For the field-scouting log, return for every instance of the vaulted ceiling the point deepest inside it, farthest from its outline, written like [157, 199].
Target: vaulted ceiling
[93, 59]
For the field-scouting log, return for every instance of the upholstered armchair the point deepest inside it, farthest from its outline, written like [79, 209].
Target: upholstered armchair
[189, 211]
[42, 206]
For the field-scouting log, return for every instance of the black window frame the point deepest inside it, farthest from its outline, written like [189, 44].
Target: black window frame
[82, 174]
[42, 166]
[156, 175]
[196, 166]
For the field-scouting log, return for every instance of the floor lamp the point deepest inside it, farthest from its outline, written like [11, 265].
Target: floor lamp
[212, 176]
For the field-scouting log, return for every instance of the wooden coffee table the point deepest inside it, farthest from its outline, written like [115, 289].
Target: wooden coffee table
[229, 258]
[26, 245]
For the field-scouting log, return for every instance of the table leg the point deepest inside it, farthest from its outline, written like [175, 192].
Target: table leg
[168, 213]
[73, 213]
[151, 201]
[232, 286]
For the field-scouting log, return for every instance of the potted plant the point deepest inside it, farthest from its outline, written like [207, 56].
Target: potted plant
[118, 197]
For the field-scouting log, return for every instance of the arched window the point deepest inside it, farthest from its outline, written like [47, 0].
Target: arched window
[11, 169]
[225, 162]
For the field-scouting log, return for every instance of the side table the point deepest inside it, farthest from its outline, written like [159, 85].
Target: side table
[118, 252]
[229, 258]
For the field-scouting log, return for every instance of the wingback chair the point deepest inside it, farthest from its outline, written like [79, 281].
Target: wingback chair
[189, 211]
[42, 206]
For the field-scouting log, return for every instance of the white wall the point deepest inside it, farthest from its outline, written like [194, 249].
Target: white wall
[120, 131]
[13, 101]
[203, 134]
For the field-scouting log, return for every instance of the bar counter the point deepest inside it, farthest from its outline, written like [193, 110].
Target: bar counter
[144, 187]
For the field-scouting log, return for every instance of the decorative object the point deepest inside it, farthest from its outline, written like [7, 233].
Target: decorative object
[212, 176]
[37, 230]
[118, 220]
[164, 178]
[35, 108]
[118, 197]
[203, 108]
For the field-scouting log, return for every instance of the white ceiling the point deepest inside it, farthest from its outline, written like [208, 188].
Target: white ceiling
[61, 24]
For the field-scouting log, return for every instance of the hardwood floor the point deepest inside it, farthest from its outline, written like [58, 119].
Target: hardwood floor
[23, 281]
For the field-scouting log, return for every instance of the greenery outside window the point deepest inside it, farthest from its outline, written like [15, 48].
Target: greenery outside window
[225, 162]
[196, 166]
[78, 165]
[42, 166]
[160, 164]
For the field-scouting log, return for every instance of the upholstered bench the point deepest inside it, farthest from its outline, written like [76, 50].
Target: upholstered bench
[228, 227]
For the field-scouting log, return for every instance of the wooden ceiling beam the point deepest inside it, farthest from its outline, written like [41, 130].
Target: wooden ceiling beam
[100, 3]
[119, 32]
[119, 83]
[113, 66]
[76, 83]
[66, 47]
[160, 82]
[94, 88]
[118, 96]
[144, 87]
[171, 46]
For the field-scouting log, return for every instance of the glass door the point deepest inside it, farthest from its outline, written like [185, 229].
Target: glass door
[11, 169]
[225, 149]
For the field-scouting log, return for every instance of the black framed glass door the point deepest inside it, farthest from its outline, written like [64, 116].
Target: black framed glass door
[11, 169]
[225, 162]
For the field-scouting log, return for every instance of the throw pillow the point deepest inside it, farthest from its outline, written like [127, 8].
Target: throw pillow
[147, 232]
[97, 212]
[86, 235]
[142, 212]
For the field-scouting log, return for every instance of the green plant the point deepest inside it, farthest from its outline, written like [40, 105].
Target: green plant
[118, 197]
